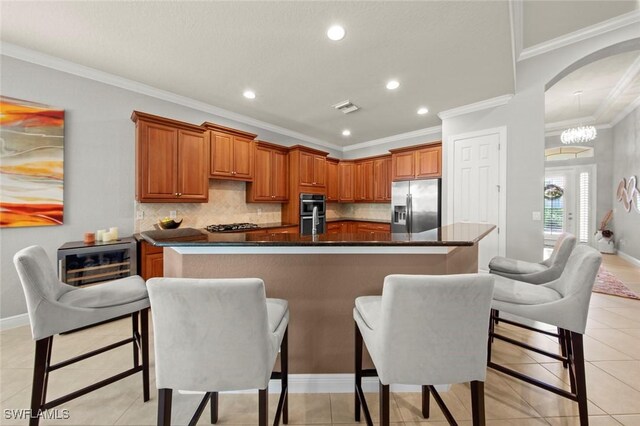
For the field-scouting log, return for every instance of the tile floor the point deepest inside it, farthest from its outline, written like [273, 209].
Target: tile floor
[612, 346]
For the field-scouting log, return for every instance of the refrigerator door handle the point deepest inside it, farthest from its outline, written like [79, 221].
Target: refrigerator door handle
[409, 212]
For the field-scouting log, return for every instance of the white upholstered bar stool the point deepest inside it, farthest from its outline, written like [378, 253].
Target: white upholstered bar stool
[425, 330]
[216, 335]
[55, 307]
[563, 303]
[536, 273]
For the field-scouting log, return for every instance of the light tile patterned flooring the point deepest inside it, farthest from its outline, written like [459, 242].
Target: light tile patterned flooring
[612, 346]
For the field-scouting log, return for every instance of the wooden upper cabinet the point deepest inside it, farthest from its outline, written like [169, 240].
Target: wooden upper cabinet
[311, 167]
[333, 181]
[231, 153]
[429, 162]
[417, 162]
[170, 160]
[364, 186]
[346, 180]
[271, 174]
[382, 179]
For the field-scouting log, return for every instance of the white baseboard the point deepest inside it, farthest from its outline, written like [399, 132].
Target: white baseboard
[628, 258]
[14, 321]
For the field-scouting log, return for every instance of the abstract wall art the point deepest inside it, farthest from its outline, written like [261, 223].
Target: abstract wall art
[31, 163]
[628, 194]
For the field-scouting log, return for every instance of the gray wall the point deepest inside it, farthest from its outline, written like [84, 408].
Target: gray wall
[99, 159]
[626, 160]
[523, 117]
[602, 158]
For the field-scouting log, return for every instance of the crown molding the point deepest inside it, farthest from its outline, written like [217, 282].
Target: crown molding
[477, 106]
[394, 138]
[38, 58]
[620, 87]
[622, 114]
[581, 34]
[516, 14]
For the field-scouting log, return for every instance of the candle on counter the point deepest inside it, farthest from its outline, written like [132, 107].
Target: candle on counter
[89, 238]
[99, 233]
[114, 232]
[107, 236]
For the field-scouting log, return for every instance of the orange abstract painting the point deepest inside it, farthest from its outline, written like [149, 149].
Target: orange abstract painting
[31, 163]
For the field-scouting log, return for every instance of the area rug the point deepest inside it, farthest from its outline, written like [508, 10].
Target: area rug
[607, 283]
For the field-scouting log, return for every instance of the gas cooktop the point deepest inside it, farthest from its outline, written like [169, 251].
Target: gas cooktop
[231, 227]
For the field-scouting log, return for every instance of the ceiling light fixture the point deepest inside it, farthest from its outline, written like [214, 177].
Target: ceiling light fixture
[336, 33]
[423, 110]
[249, 94]
[392, 84]
[346, 132]
[579, 134]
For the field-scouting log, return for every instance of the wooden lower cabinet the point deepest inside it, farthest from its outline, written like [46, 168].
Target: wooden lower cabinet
[151, 261]
[369, 227]
[354, 227]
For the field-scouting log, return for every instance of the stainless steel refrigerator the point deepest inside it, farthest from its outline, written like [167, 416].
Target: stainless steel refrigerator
[415, 206]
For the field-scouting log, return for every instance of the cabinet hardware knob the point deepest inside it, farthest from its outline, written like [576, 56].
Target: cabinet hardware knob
[179, 194]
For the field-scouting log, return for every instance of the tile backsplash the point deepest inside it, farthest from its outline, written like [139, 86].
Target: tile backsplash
[227, 205]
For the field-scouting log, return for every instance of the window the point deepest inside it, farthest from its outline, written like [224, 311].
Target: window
[554, 208]
[583, 196]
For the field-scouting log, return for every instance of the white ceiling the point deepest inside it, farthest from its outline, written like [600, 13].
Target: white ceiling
[608, 87]
[445, 54]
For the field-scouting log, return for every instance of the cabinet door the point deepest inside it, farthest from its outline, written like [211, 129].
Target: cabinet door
[242, 159]
[358, 182]
[428, 162]
[157, 161]
[334, 228]
[221, 163]
[306, 168]
[403, 165]
[152, 264]
[279, 175]
[367, 180]
[262, 181]
[382, 179]
[346, 181]
[333, 188]
[319, 170]
[193, 180]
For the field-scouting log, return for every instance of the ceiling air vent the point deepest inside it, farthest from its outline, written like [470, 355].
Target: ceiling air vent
[346, 107]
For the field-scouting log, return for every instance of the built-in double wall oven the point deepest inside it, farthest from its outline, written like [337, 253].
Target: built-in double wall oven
[309, 202]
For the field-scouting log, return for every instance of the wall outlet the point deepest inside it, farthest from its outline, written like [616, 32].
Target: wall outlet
[537, 216]
[140, 215]
[259, 212]
[172, 214]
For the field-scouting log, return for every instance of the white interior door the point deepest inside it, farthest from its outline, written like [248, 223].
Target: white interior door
[476, 187]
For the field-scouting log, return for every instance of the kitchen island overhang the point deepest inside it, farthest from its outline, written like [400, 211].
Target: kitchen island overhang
[321, 277]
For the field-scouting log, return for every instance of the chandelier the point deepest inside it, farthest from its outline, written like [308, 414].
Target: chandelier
[579, 134]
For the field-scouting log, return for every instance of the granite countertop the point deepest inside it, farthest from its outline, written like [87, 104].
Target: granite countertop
[458, 234]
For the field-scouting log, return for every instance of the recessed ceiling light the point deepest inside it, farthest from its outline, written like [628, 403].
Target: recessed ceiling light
[423, 110]
[336, 33]
[346, 132]
[249, 94]
[393, 84]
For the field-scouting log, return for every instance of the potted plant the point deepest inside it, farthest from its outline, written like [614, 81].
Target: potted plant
[604, 236]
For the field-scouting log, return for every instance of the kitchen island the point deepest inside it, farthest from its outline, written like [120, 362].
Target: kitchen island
[320, 276]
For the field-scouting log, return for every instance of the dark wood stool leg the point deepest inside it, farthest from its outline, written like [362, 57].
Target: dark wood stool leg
[358, 362]
[581, 382]
[384, 405]
[496, 319]
[38, 392]
[164, 407]
[426, 395]
[144, 323]
[135, 332]
[477, 403]
[214, 407]
[562, 340]
[263, 407]
[284, 367]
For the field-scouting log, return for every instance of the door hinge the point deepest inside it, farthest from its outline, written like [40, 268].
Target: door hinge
[498, 147]
[498, 186]
[498, 228]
